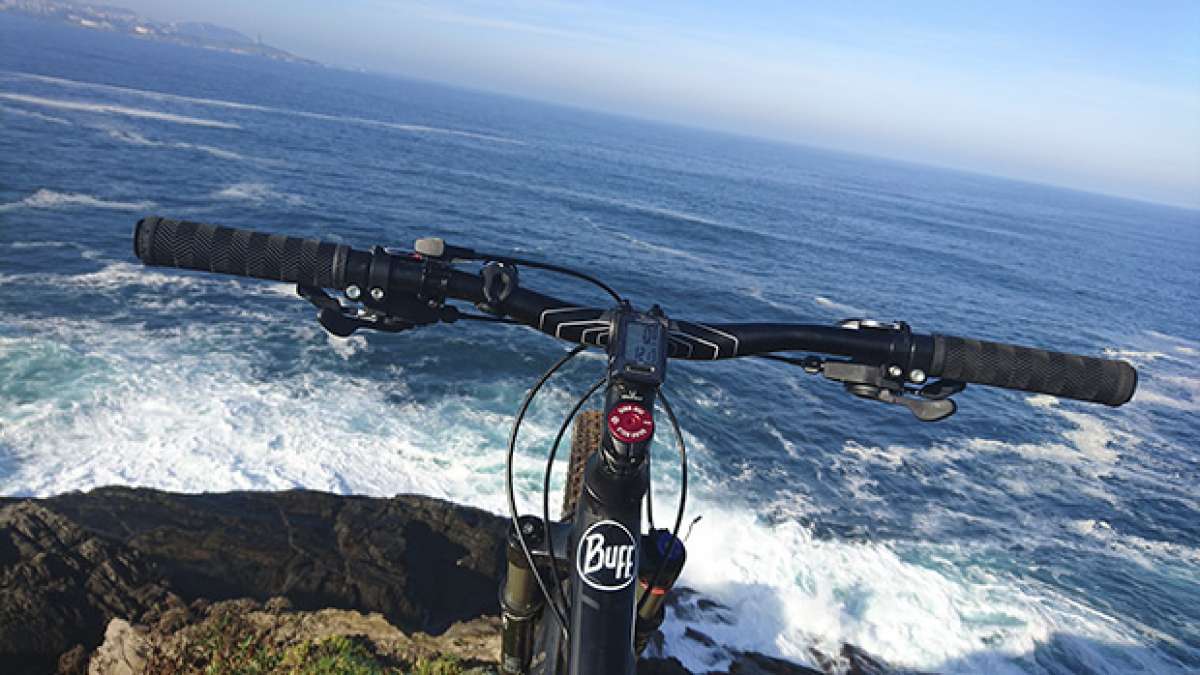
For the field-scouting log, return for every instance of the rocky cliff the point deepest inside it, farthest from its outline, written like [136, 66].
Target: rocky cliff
[148, 566]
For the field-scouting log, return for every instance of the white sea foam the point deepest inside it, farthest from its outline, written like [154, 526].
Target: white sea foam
[116, 276]
[258, 193]
[347, 347]
[1169, 338]
[1146, 552]
[34, 115]
[1183, 382]
[49, 199]
[119, 275]
[1091, 444]
[110, 109]
[841, 308]
[39, 244]
[235, 105]
[786, 591]
[575, 195]
[645, 245]
[1155, 398]
[626, 204]
[757, 293]
[659, 248]
[173, 411]
[1135, 356]
[134, 138]
[1171, 391]
[219, 153]
[93, 86]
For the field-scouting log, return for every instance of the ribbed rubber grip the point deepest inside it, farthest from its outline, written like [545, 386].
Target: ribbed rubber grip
[999, 365]
[196, 246]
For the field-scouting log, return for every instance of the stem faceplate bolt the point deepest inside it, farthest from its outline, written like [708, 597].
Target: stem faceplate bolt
[353, 292]
[377, 293]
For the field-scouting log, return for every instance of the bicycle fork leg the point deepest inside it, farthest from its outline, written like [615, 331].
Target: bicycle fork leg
[662, 560]
[520, 601]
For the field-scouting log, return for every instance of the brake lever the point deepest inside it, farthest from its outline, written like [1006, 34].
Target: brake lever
[343, 325]
[928, 410]
[872, 383]
[342, 320]
[318, 297]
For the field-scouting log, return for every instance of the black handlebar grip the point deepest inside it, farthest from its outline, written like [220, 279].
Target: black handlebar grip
[209, 248]
[1000, 365]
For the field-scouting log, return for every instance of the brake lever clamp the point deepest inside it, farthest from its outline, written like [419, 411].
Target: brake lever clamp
[877, 383]
[499, 282]
[343, 324]
[341, 320]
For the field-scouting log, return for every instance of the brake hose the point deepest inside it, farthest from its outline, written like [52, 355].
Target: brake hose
[509, 487]
[662, 396]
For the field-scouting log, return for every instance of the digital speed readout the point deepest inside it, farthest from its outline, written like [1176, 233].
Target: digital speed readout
[639, 353]
[642, 343]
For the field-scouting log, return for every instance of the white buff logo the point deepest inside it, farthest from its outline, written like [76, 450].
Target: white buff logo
[606, 558]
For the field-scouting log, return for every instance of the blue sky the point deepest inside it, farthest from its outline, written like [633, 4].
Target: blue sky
[1101, 96]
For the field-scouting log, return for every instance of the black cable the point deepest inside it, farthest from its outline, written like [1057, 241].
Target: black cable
[562, 596]
[682, 496]
[649, 496]
[484, 317]
[807, 362]
[512, 495]
[554, 268]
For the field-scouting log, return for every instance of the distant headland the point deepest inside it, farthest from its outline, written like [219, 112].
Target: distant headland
[126, 21]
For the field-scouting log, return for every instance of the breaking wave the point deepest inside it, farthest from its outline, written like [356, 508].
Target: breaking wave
[110, 109]
[160, 96]
[34, 115]
[49, 199]
[844, 309]
[258, 193]
[134, 138]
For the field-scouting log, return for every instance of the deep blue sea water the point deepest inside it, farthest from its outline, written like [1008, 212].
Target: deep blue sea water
[1024, 535]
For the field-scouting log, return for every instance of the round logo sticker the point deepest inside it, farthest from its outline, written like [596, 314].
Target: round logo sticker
[607, 557]
[630, 423]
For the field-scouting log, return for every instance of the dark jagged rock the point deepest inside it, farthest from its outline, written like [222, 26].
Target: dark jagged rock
[661, 667]
[423, 563]
[60, 586]
[747, 663]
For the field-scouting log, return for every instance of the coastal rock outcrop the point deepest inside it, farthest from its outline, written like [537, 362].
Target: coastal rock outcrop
[105, 582]
[60, 585]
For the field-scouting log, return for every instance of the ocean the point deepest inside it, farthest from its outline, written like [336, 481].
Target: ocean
[1023, 535]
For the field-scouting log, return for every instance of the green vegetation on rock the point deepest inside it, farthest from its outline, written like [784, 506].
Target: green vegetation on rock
[236, 642]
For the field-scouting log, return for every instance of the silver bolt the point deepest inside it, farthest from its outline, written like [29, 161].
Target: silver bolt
[917, 375]
[895, 371]
[353, 292]
[377, 293]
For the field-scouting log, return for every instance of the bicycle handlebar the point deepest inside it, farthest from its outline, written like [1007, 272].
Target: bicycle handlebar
[210, 248]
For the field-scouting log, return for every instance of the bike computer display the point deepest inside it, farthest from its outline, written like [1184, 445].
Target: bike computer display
[639, 350]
